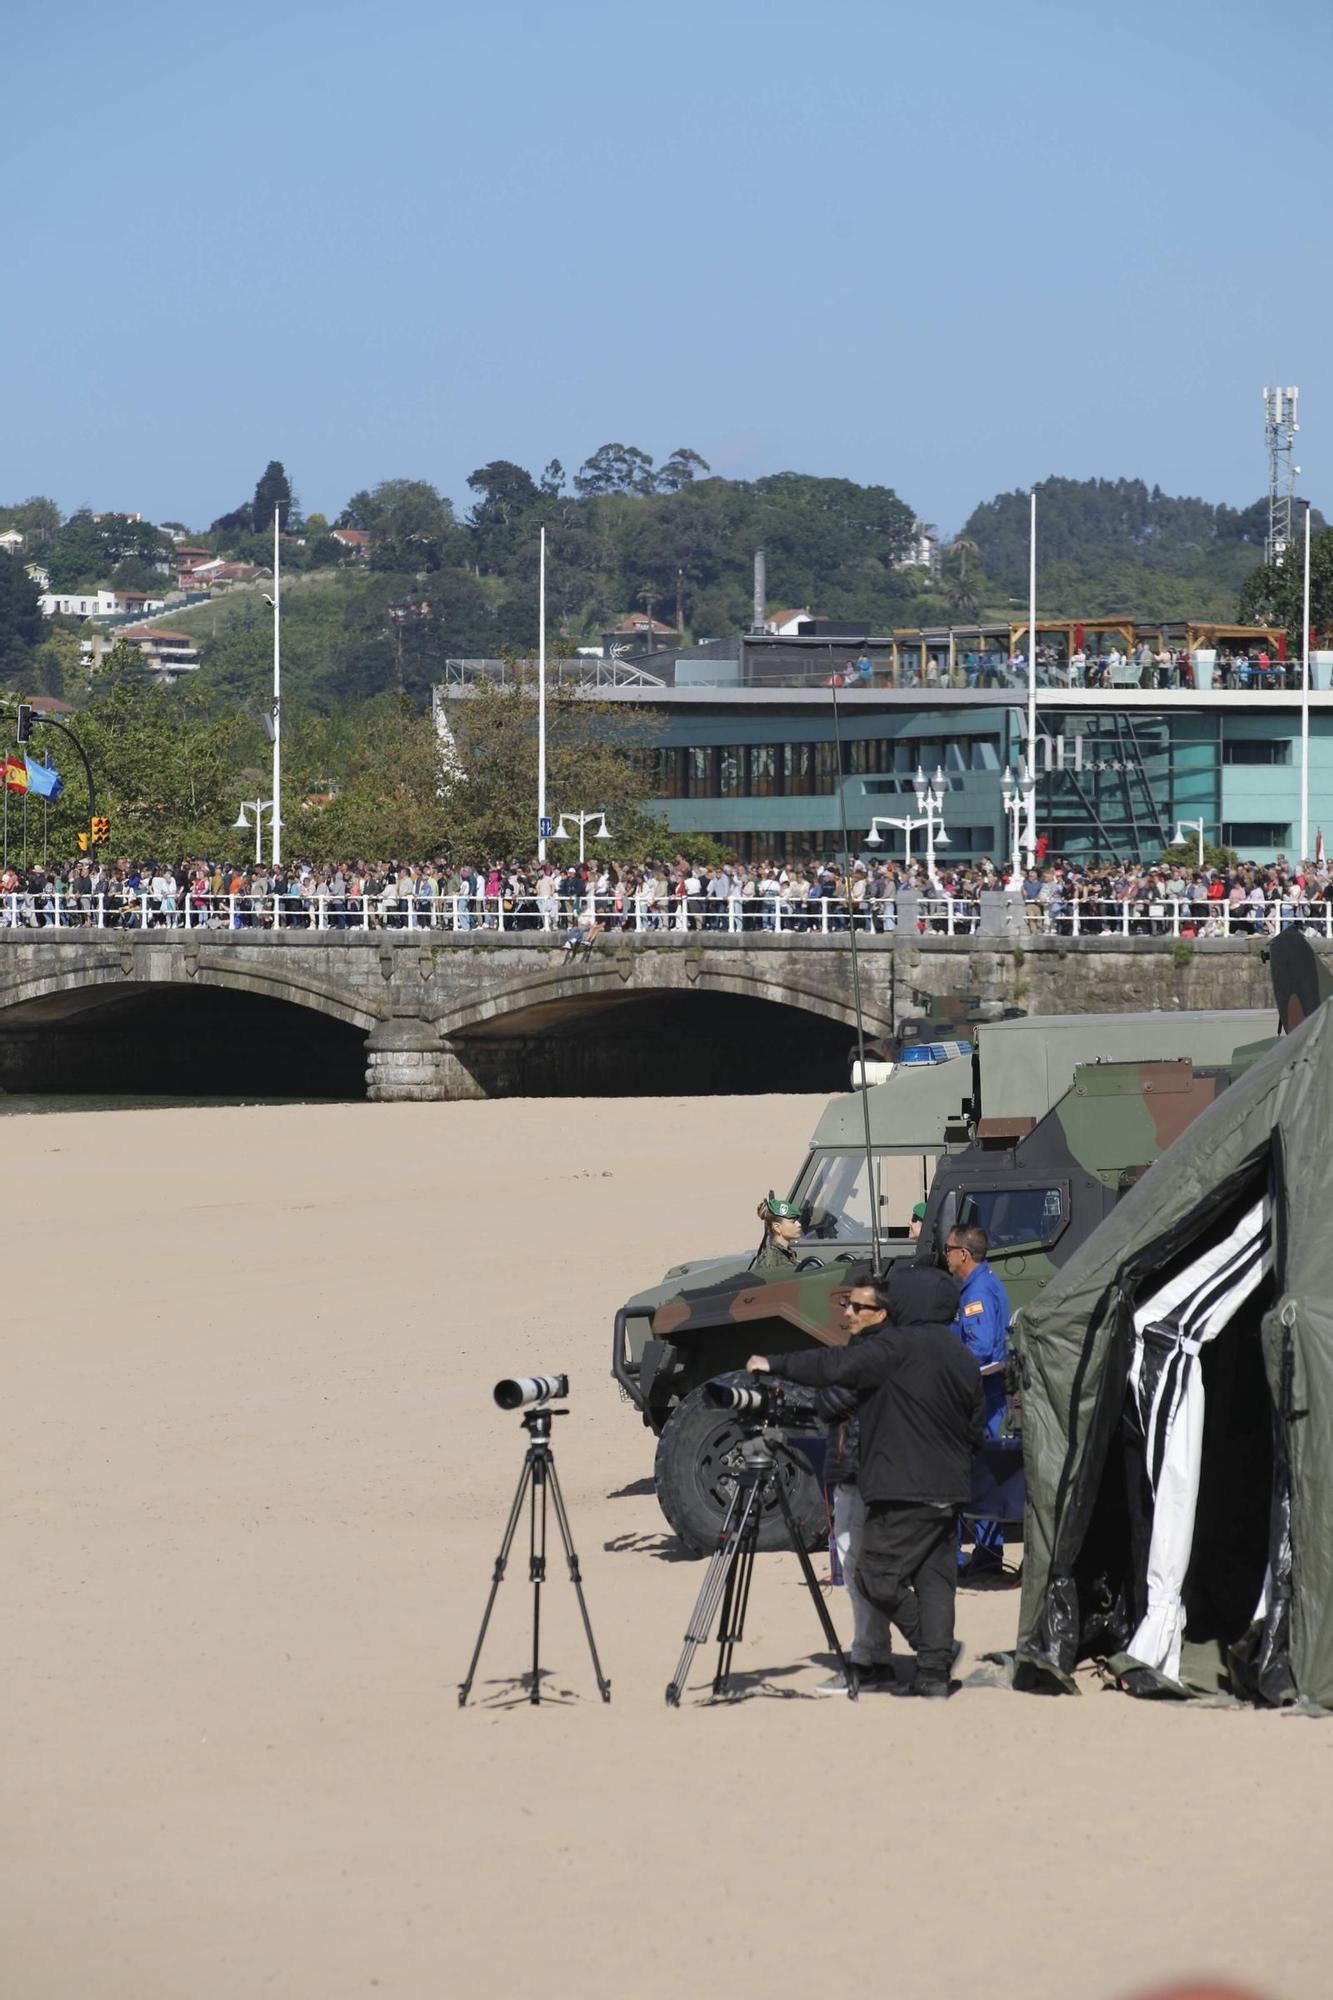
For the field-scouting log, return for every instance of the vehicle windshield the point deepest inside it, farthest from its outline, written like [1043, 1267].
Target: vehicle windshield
[834, 1198]
[1011, 1216]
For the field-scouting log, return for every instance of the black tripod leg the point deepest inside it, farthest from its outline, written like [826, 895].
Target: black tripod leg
[731, 1625]
[537, 1570]
[716, 1580]
[575, 1577]
[849, 1672]
[465, 1686]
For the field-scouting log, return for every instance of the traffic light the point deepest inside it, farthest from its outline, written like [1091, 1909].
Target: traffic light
[100, 830]
[82, 839]
[26, 718]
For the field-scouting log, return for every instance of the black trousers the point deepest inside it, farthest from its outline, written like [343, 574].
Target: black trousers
[908, 1566]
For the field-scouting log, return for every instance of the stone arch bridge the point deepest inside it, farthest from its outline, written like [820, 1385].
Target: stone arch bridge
[479, 1014]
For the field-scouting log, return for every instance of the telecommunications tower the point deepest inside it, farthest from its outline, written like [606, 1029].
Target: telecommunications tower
[1280, 428]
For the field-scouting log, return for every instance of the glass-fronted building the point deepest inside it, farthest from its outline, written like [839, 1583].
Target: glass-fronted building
[753, 757]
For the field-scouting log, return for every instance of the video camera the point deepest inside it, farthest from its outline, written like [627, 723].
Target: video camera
[758, 1397]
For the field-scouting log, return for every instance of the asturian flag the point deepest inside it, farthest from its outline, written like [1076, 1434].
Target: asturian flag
[44, 781]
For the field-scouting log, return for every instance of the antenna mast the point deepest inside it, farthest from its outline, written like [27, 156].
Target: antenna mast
[1280, 428]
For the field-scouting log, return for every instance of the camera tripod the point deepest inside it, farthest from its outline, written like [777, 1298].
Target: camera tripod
[538, 1476]
[731, 1567]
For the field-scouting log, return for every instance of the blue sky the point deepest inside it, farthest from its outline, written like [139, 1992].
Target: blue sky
[950, 249]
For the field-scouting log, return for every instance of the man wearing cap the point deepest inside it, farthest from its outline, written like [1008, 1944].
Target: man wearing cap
[914, 1226]
[782, 1226]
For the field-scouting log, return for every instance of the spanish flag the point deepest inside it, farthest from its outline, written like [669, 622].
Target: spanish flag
[16, 774]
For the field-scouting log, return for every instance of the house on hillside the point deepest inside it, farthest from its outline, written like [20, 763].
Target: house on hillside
[169, 654]
[99, 603]
[786, 624]
[923, 550]
[11, 541]
[637, 630]
[353, 540]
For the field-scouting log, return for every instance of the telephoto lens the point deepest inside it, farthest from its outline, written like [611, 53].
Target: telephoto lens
[521, 1389]
[738, 1396]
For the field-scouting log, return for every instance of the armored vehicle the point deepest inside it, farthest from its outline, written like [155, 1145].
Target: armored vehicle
[1035, 1138]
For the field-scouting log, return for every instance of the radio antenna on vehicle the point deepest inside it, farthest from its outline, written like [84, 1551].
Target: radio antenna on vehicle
[872, 1192]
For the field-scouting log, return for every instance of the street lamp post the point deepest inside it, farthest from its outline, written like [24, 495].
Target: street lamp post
[907, 826]
[275, 816]
[1015, 804]
[582, 820]
[1195, 826]
[1030, 837]
[258, 807]
[542, 821]
[930, 801]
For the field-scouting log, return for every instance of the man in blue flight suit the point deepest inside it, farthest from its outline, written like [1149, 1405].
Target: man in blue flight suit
[983, 1327]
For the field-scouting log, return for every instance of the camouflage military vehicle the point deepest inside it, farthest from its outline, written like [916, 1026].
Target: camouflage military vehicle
[1038, 1180]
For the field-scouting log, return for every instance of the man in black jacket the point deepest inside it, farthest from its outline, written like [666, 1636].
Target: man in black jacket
[922, 1416]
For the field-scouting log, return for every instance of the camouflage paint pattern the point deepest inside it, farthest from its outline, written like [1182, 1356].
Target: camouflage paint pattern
[1114, 1121]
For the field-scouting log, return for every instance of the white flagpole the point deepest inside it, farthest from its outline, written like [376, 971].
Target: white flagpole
[1030, 837]
[275, 817]
[541, 701]
[1305, 700]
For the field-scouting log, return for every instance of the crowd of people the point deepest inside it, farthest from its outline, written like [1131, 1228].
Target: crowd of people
[1104, 665]
[764, 895]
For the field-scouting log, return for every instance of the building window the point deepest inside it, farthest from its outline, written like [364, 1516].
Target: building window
[698, 774]
[730, 771]
[798, 769]
[826, 767]
[1256, 750]
[763, 771]
[1247, 834]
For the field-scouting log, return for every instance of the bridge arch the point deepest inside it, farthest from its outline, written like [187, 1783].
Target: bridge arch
[87, 984]
[591, 984]
[85, 1027]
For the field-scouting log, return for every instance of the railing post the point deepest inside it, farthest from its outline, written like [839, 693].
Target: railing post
[823, 912]
[1124, 916]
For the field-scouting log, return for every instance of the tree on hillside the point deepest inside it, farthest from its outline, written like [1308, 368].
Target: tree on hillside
[408, 521]
[1274, 594]
[272, 493]
[503, 490]
[680, 470]
[615, 468]
[37, 520]
[389, 805]
[962, 581]
[595, 760]
[86, 551]
[21, 621]
[165, 769]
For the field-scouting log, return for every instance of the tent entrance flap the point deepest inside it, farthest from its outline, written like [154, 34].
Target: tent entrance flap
[1168, 1394]
[1165, 1533]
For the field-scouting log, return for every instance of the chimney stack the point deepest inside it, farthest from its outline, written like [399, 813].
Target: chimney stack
[760, 590]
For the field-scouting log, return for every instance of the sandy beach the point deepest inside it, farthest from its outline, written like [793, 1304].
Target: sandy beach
[255, 1484]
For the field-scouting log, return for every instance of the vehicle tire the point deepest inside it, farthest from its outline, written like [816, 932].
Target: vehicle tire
[694, 1476]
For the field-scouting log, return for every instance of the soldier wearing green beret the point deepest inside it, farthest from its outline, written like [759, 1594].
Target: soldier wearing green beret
[782, 1227]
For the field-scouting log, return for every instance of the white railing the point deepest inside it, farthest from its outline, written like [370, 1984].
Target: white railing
[565, 916]
[576, 918]
[1177, 917]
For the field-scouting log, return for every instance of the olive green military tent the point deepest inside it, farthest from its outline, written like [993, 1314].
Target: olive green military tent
[1177, 1385]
